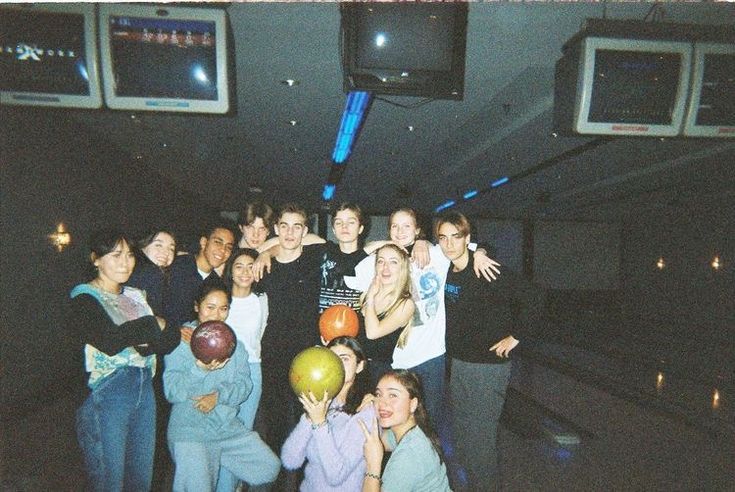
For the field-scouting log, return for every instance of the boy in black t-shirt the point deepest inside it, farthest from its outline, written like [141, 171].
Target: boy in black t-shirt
[485, 322]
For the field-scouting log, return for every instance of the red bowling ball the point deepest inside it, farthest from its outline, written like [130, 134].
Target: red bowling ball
[213, 340]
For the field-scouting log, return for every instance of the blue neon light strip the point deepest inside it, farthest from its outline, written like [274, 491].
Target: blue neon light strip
[352, 118]
[499, 182]
[470, 194]
[328, 192]
[445, 205]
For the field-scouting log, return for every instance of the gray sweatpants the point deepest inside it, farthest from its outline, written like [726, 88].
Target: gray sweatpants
[478, 395]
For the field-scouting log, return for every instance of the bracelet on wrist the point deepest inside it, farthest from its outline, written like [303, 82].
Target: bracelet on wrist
[373, 476]
[320, 424]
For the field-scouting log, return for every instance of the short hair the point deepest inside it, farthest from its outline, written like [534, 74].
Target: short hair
[292, 208]
[457, 219]
[252, 211]
[352, 207]
[218, 224]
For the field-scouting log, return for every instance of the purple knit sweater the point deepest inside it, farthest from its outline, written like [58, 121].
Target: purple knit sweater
[334, 452]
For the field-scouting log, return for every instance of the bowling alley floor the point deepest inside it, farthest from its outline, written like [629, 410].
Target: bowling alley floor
[561, 431]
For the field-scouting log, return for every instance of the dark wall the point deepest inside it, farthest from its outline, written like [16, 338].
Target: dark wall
[686, 310]
[52, 170]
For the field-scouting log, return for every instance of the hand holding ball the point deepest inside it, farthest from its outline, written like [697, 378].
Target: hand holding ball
[317, 369]
[213, 340]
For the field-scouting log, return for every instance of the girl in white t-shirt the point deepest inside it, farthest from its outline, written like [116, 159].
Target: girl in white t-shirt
[248, 317]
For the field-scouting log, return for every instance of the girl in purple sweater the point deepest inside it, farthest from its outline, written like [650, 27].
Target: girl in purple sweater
[328, 436]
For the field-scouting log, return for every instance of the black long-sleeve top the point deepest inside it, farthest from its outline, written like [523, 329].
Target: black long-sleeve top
[481, 313]
[93, 326]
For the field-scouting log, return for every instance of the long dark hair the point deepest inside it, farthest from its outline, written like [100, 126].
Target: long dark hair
[415, 389]
[360, 387]
[227, 274]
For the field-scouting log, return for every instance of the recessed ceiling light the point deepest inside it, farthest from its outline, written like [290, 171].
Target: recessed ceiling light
[290, 82]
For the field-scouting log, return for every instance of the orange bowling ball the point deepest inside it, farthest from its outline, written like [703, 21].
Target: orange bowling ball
[338, 321]
[317, 369]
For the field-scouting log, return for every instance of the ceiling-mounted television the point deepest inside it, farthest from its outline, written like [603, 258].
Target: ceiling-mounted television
[161, 58]
[712, 106]
[609, 86]
[48, 55]
[404, 49]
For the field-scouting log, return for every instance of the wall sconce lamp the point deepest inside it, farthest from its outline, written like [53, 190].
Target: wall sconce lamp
[716, 264]
[60, 239]
[660, 264]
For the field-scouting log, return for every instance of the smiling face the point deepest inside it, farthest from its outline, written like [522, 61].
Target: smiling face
[242, 272]
[403, 228]
[216, 249]
[394, 404]
[161, 250]
[214, 307]
[115, 267]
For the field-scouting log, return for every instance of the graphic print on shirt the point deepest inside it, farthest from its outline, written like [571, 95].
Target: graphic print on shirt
[428, 285]
[452, 292]
[333, 289]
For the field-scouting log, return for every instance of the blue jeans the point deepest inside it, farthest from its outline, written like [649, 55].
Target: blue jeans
[116, 429]
[432, 375]
[227, 481]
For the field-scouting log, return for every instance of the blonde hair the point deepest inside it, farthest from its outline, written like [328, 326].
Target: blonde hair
[401, 292]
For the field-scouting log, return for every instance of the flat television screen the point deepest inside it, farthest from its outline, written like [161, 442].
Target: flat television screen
[406, 49]
[161, 58]
[609, 86]
[48, 55]
[712, 105]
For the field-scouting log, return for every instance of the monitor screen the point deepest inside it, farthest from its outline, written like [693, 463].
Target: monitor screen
[712, 108]
[630, 86]
[634, 87]
[48, 56]
[405, 49]
[166, 59]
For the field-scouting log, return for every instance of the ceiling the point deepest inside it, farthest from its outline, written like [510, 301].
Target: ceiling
[502, 127]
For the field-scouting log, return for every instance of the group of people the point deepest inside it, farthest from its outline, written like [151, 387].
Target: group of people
[422, 305]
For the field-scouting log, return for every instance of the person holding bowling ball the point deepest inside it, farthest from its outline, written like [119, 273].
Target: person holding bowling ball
[402, 427]
[204, 432]
[120, 335]
[328, 436]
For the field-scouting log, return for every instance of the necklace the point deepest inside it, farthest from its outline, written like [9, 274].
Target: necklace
[98, 285]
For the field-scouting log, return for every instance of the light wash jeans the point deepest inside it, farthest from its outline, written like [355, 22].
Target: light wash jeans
[227, 481]
[116, 429]
[432, 374]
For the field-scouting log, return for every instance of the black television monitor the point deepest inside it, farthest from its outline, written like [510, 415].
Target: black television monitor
[48, 55]
[610, 86]
[712, 105]
[404, 49]
[161, 58]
